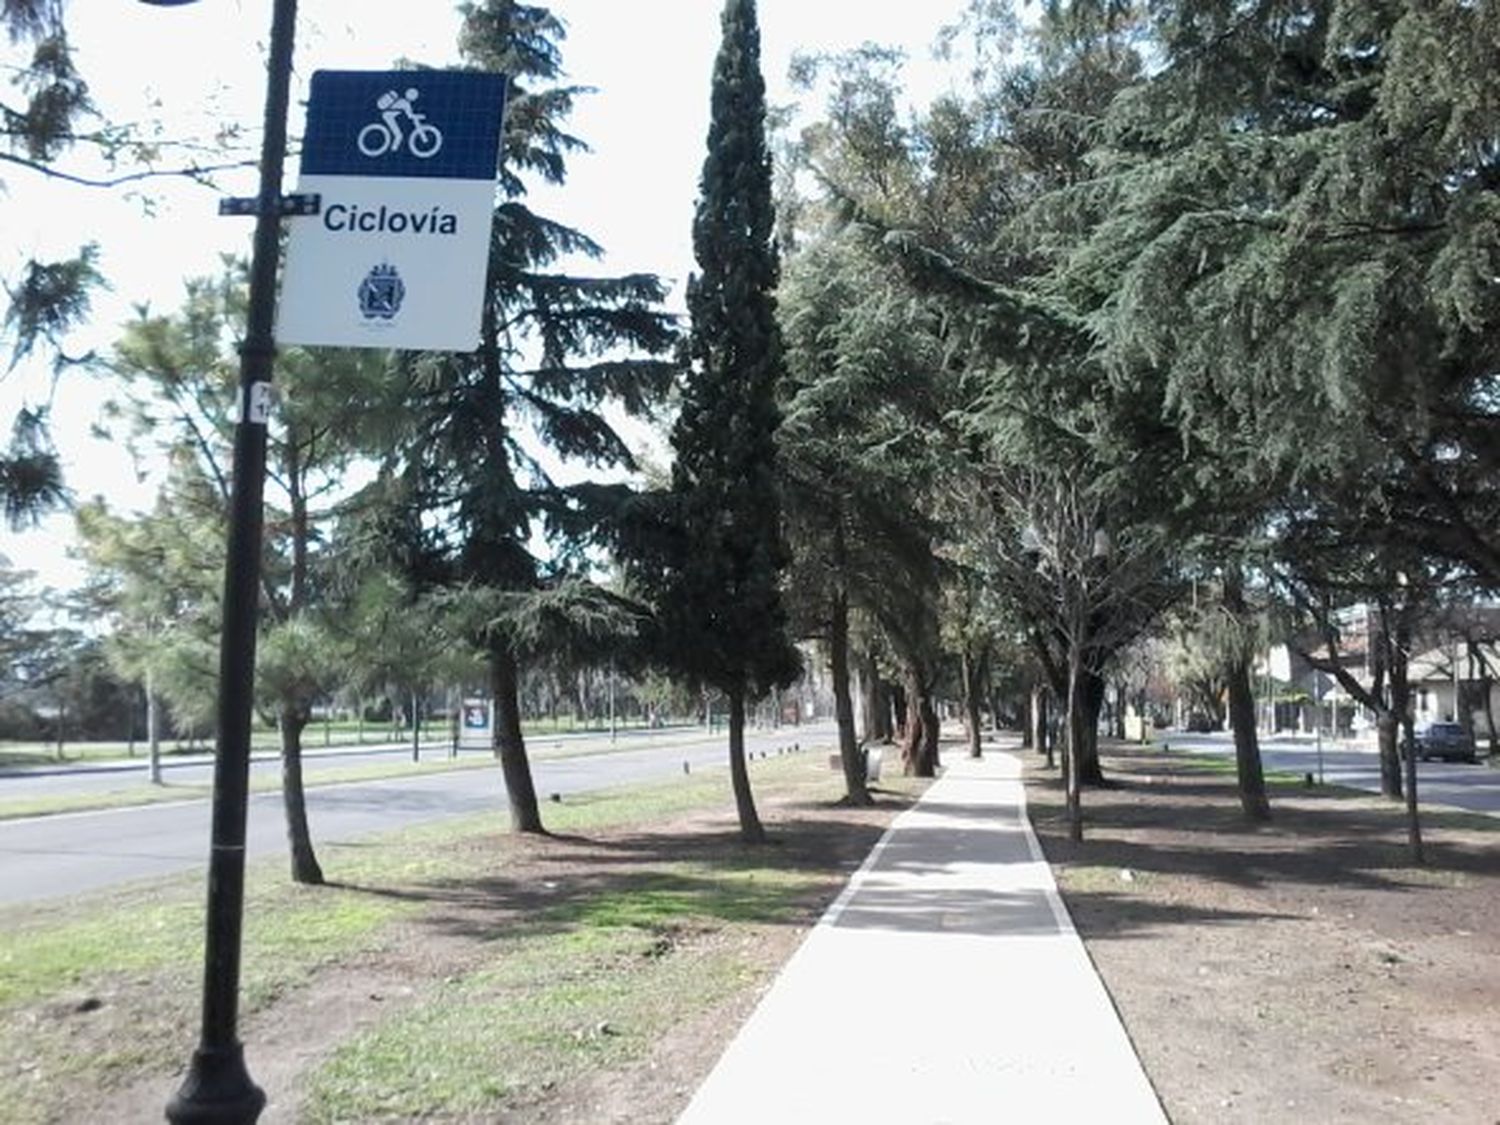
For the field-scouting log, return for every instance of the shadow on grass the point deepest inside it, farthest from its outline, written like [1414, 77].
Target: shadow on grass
[1170, 819]
[1159, 817]
[667, 881]
[652, 880]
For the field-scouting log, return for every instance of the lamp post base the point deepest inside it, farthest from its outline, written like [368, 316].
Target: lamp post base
[217, 1090]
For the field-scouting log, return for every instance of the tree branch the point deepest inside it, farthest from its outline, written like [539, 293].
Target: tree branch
[193, 172]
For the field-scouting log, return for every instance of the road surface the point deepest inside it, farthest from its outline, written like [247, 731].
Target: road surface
[19, 783]
[1475, 788]
[54, 856]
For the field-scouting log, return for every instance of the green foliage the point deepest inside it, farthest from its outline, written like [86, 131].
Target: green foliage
[856, 449]
[1291, 226]
[56, 94]
[464, 496]
[51, 299]
[716, 589]
[556, 348]
[397, 641]
[155, 579]
[1204, 641]
[297, 659]
[30, 478]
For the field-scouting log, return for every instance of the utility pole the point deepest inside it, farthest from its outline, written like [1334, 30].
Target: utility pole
[218, 1088]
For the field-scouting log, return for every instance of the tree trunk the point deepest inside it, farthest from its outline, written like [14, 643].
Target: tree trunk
[885, 705]
[856, 792]
[416, 727]
[874, 701]
[1400, 697]
[911, 734]
[1071, 747]
[1413, 818]
[919, 741]
[1489, 715]
[931, 728]
[153, 734]
[1252, 781]
[751, 830]
[1090, 700]
[1486, 686]
[510, 745]
[1042, 725]
[1028, 721]
[972, 673]
[1387, 733]
[305, 869]
[896, 711]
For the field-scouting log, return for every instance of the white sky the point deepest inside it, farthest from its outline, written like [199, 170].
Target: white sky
[199, 68]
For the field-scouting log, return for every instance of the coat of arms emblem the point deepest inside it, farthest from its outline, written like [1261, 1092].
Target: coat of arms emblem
[381, 293]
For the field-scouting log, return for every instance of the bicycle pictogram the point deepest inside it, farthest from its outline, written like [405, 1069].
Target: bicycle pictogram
[386, 135]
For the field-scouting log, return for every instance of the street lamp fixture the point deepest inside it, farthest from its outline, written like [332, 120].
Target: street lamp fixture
[218, 1089]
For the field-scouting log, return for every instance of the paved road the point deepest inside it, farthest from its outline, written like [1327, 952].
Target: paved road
[49, 857]
[1475, 788]
[88, 777]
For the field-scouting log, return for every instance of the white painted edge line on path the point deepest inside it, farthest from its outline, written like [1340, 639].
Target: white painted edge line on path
[1065, 923]
[1060, 913]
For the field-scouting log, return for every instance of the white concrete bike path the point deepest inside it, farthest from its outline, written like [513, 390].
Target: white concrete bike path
[945, 985]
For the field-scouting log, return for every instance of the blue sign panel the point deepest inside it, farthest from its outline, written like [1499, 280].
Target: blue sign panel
[404, 162]
[431, 124]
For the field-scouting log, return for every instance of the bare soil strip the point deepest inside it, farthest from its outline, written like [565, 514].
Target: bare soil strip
[1303, 970]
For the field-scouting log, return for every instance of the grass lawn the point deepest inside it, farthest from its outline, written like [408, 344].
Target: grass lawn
[449, 971]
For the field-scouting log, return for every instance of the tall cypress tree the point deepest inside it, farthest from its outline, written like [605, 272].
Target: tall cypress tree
[721, 605]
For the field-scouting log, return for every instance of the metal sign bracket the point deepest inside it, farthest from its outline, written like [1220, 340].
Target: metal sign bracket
[306, 203]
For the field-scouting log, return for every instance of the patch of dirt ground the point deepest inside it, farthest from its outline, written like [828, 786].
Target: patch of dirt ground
[1301, 971]
[454, 934]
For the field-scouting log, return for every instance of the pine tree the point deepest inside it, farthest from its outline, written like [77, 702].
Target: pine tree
[721, 608]
[550, 358]
[49, 298]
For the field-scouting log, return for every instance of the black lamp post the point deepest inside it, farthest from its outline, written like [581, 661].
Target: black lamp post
[218, 1088]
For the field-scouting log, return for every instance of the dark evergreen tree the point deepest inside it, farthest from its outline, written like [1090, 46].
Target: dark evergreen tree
[555, 348]
[868, 398]
[855, 465]
[1294, 234]
[719, 601]
[49, 297]
[47, 113]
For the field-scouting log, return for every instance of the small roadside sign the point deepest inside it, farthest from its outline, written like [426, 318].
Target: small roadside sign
[478, 723]
[405, 163]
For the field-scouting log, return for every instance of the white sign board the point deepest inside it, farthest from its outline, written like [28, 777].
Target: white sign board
[405, 163]
[477, 723]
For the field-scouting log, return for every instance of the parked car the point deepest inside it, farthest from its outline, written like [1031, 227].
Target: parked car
[1446, 741]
